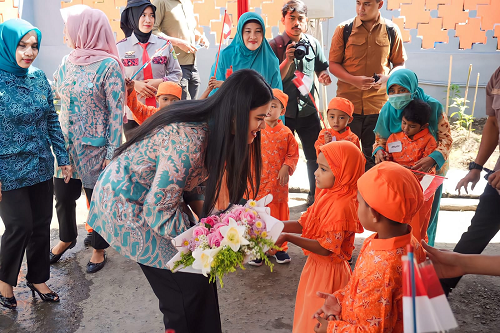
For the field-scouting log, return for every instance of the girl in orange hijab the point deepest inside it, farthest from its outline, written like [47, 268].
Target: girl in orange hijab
[327, 229]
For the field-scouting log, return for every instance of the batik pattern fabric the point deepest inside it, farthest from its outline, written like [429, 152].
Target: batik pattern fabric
[28, 128]
[138, 199]
[372, 301]
[347, 135]
[92, 101]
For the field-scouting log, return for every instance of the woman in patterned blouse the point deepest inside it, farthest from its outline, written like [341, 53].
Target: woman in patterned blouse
[28, 129]
[137, 206]
[90, 83]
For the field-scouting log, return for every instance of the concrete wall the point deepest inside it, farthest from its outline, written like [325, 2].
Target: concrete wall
[431, 65]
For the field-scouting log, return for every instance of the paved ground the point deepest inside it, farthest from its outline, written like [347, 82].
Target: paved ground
[119, 299]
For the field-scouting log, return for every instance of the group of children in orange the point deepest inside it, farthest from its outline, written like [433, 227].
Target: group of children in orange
[329, 297]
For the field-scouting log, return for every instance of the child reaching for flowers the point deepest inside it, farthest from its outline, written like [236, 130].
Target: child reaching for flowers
[280, 155]
[326, 229]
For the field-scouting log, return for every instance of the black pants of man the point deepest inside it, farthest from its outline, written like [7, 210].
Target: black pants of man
[363, 126]
[308, 129]
[189, 302]
[190, 81]
[66, 196]
[484, 226]
[26, 213]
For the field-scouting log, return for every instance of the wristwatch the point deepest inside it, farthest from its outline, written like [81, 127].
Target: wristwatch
[474, 165]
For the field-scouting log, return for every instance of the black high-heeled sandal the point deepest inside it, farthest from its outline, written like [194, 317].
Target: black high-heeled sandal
[8, 302]
[55, 257]
[48, 297]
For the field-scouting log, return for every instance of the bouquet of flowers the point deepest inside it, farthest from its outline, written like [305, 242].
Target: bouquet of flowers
[221, 243]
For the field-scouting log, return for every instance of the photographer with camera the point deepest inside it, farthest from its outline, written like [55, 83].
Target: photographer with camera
[361, 54]
[298, 51]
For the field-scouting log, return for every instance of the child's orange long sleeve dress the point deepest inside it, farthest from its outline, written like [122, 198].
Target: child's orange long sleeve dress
[347, 135]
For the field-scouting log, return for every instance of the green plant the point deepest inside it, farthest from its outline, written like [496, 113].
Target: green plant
[461, 119]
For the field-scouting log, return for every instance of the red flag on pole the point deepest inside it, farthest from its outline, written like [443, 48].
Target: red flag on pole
[225, 33]
[304, 84]
[430, 183]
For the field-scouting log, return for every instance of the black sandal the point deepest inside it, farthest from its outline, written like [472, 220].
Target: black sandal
[55, 257]
[48, 297]
[8, 302]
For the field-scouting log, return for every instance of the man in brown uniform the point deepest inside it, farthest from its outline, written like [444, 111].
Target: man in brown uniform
[373, 46]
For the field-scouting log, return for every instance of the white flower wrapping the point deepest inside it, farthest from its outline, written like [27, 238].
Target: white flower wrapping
[234, 236]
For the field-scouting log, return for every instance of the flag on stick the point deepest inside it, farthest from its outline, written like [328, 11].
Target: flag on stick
[430, 183]
[157, 53]
[425, 307]
[304, 84]
[225, 33]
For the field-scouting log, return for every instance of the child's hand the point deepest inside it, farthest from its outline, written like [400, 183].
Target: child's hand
[213, 83]
[283, 237]
[130, 84]
[321, 326]
[328, 137]
[331, 308]
[425, 164]
[284, 175]
[446, 263]
[381, 156]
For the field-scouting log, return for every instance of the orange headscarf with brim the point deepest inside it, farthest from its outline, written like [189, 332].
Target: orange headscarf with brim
[169, 88]
[392, 190]
[336, 208]
[281, 96]
[342, 104]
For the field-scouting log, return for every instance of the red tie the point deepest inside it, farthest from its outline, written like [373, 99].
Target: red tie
[148, 72]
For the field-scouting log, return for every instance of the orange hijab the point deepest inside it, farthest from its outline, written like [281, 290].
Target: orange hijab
[336, 208]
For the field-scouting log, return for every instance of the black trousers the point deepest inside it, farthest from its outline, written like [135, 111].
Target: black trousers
[484, 226]
[308, 129]
[66, 196]
[26, 213]
[190, 81]
[188, 301]
[363, 126]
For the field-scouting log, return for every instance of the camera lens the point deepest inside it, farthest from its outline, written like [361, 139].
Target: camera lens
[300, 52]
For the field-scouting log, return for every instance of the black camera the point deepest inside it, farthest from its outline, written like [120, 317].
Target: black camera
[301, 49]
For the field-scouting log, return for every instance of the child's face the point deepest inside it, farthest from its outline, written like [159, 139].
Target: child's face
[411, 128]
[365, 215]
[337, 119]
[165, 100]
[252, 36]
[324, 175]
[276, 111]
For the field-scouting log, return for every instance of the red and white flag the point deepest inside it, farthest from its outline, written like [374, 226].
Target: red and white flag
[432, 310]
[303, 83]
[430, 183]
[226, 30]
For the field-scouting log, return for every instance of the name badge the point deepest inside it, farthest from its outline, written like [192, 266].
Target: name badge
[334, 138]
[395, 147]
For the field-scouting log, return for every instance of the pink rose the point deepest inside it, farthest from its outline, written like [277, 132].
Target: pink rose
[209, 220]
[238, 211]
[214, 239]
[229, 216]
[218, 226]
[200, 230]
[249, 216]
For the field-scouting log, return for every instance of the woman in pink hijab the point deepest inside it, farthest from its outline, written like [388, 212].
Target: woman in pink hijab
[90, 83]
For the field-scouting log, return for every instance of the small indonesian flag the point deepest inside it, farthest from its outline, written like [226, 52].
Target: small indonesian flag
[226, 31]
[433, 312]
[303, 83]
[430, 183]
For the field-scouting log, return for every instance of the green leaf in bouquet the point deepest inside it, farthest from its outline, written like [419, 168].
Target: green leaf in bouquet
[186, 260]
[225, 262]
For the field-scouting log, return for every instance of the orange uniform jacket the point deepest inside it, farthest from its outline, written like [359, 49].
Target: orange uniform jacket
[372, 301]
[348, 135]
[140, 111]
[278, 147]
[412, 150]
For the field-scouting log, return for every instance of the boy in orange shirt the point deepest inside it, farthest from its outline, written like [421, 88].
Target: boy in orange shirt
[408, 147]
[280, 155]
[372, 300]
[168, 93]
[339, 115]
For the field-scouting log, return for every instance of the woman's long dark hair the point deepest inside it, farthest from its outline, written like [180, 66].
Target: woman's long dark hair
[227, 114]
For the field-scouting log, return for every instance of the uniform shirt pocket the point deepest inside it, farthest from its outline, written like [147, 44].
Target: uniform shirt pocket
[162, 60]
[355, 47]
[130, 62]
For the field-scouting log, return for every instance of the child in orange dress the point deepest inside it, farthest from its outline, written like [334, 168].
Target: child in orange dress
[280, 155]
[168, 93]
[326, 229]
[339, 115]
[372, 300]
[408, 147]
